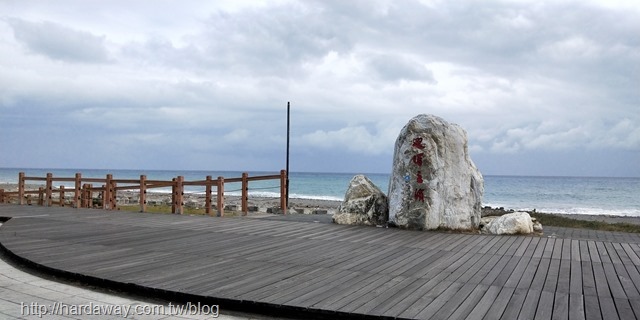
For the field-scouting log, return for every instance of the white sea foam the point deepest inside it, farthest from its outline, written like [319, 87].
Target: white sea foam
[573, 210]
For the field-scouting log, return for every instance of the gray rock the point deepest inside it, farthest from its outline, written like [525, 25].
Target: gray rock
[192, 204]
[537, 226]
[511, 223]
[434, 184]
[364, 204]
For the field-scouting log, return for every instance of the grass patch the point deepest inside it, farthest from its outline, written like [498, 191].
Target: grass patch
[547, 219]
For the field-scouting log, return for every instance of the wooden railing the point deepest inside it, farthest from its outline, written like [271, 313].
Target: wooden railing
[84, 190]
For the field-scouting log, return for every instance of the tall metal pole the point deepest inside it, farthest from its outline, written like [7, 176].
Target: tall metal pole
[288, 131]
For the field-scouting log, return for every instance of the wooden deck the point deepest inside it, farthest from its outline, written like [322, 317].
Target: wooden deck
[335, 271]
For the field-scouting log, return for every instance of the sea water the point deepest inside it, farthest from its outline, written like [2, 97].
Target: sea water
[573, 195]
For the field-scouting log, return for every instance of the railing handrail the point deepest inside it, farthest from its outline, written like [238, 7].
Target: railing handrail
[82, 190]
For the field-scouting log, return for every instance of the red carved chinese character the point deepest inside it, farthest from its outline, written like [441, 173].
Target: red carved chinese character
[417, 159]
[419, 178]
[417, 142]
[419, 195]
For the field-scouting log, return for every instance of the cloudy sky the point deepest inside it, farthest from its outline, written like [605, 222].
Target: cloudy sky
[541, 88]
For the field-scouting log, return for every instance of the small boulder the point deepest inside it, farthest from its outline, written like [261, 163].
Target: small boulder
[364, 204]
[511, 223]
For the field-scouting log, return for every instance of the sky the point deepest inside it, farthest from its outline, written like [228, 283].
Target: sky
[542, 88]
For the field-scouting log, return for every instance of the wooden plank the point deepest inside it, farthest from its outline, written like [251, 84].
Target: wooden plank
[564, 276]
[451, 304]
[479, 269]
[468, 304]
[517, 273]
[575, 250]
[592, 307]
[305, 287]
[495, 272]
[527, 276]
[485, 303]
[575, 282]
[462, 266]
[506, 272]
[548, 249]
[551, 282]
[613, 254]
[504, 246]
[613, 281]
[499, 304]
[425, 299]
[608, 308]
[588, 280]
[339, 287]
[584, 251]
[630, 290]
[635, 305]
[364, 296]
[346, 295]
[602, 252]
[530, 305]
[492, 241]
[557, 249]
[545, 305]
[514, 306]
[423, 256]
[600, 280]
[624, 309]
[526, 241]
[541, 274]
[389, 306]
[437, 303]
[375, 298]
[411, 299]
[517, 241]
[576, 306]
[542, 244]
[633, 256]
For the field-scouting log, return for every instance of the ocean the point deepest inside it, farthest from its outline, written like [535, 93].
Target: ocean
[570, 195]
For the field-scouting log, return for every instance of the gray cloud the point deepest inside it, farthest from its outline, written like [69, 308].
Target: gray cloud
[521, 77]
[59, 42]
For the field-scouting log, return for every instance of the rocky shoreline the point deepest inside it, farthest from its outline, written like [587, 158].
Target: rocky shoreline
[197, 201]
[303, 206]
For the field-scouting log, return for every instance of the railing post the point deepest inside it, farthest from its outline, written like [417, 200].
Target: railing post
[106, 194]
[177, 195]
[41, 196]
[49, 191]
[283, 191]
[143, 193]
[21, 188]
[114, 195]
[207, 196]
[1, 195]
[76, 194]
[62, 196]
[245, 193]
[173, 195]
[90, 195]
[220, 192]
[84, 202]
